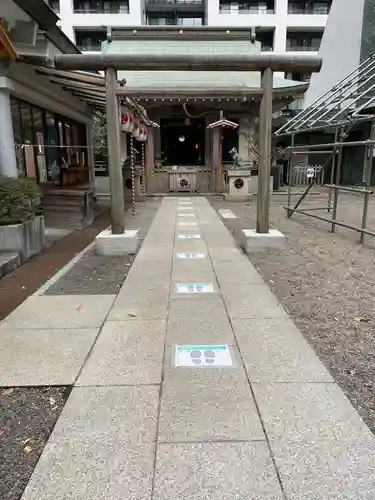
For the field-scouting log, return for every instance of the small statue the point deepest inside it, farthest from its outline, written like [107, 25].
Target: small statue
[238, 162]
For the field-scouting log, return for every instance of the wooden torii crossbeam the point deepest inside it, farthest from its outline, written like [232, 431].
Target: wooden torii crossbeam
[266, 63]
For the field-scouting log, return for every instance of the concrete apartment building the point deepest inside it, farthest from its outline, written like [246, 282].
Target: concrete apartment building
[281, 25]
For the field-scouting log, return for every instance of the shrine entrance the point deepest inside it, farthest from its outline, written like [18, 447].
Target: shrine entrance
[184, 75]
[182, 141]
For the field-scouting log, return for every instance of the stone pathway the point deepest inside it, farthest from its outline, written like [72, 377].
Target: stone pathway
[253, 416]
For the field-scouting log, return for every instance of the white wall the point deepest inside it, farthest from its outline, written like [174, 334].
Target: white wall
[70, 20]
[279, 21]
[340, 47]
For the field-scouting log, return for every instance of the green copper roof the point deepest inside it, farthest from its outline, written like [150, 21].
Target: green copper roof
[220, 80]
[181, 46]
[197, 80]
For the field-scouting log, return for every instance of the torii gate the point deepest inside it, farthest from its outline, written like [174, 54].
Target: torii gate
[266, 63]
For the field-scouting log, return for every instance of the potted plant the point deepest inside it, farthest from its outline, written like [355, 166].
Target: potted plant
[21, 222]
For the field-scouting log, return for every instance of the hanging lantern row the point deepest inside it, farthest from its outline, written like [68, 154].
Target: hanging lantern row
[137, 129]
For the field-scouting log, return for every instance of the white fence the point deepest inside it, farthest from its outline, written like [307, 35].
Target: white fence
[304, 174]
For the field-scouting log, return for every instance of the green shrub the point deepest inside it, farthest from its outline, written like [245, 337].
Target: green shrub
[20, 200]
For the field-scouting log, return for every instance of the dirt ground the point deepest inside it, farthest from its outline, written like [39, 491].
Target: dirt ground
[27, 418]
[326, 282]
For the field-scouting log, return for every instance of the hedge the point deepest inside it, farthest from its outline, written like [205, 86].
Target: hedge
[20, 200]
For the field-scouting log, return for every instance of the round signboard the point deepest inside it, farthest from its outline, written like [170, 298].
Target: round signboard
[238, 183]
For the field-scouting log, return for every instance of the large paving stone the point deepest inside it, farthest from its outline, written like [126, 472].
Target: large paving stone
[192, 265]
[197, 308]
[126, 353]
[215, 471]
[247, 300]
[207, 404]
[92, 468]
[199, 330]
[192, 270]
[190, 245]
[219, 240]
[237, 272]
[153, 254]
[128, 414]
[226, 254]
[43, 357]
[325, 470]
[275, 350]
[296, 412]
[60, 311]
[140, 300]
[154, 273]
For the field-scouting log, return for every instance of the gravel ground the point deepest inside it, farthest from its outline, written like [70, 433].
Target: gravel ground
[95, 274]
[326, 282]
[27, 418]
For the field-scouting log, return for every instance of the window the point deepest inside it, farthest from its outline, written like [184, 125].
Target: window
[101, 7]
[254, 8]
[315, 8]
[189, 21]
[161, 21]
[39, 136]
[298, 77]
[89, 41]
[18, 139]
[54, 5]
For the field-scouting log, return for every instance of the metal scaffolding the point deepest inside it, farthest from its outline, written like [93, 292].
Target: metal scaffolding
[345, 103]
[349, 103]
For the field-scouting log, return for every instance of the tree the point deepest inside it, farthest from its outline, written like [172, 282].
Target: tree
[251, 136]
[99, 133]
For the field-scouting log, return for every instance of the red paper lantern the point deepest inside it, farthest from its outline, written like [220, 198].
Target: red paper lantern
[142, 133]
[136, 130]
[127, 122]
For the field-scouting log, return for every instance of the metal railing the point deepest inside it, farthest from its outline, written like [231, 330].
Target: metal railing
[174, 2]
[334, 188]
[321, 11]
[105, 8]
[251, 12]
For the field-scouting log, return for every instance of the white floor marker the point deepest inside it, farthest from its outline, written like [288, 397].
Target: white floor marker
[194, 288]
[190, 255]
[203, 355]
[189, 236]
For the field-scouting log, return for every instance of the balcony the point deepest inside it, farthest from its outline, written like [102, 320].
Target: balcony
[248, 8]
[175, 20]
[309, 8]
[175, 6]
[87, 7]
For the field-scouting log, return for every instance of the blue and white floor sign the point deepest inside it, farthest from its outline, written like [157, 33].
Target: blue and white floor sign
[190, 255]
[189, 236]
[194, 288]
[203, 355]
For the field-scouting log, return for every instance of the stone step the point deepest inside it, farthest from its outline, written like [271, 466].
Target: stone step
[8, 263]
